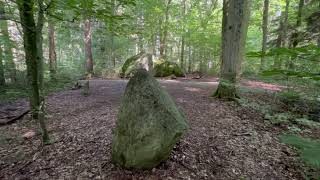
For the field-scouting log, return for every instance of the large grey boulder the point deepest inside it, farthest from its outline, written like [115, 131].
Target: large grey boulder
[148, 126]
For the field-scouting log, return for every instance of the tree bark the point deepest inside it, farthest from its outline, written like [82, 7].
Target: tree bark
[234, 32]
[164, 32]
[190, 59]
[282, 32]
[182, 53]
[52, 51]
[113, 57]
[2, 78]
[295, 37]
[265, 33]
[33, 57]
[88, 47]
[183, 35]
[7, 48]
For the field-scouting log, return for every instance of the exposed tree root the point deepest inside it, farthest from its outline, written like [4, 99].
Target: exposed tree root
[14, 119]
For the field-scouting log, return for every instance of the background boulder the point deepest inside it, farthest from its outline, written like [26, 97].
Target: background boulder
[165, 68]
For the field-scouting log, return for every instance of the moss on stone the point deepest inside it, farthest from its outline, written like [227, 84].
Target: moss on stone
[165, 68]
[148, 126]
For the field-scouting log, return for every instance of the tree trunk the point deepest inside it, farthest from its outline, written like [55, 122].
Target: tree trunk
[183, 35]
[295, 37]
[164, 32]
[52, 51]
[285, 24]
[265, 33]
[33, 56]
[189, 59]
[2, 78]
[113, 56]
[234, 32]
[282, 32]
[182, 53]
[88, 47]
[7, 48]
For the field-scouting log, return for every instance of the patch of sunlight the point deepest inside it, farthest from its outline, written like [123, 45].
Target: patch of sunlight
[191, 89]
[266, 86]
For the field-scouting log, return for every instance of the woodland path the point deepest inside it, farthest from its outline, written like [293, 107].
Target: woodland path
[225, 141]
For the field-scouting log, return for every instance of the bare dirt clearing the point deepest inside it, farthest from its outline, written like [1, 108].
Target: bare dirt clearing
[225, 141]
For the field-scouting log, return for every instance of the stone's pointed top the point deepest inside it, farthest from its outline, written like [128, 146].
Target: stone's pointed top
[149, 124]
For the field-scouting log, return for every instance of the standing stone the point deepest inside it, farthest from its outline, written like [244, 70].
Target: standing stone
[149, 124]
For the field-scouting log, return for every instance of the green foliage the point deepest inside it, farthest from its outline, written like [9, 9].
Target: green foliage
[294, 129]
[20, 89]
[308, 123]
[289, 73]
[309, 149]
[279, 118]
[264, 109]
[289, 97]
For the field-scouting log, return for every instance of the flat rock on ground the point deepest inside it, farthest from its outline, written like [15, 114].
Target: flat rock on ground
[224, 141]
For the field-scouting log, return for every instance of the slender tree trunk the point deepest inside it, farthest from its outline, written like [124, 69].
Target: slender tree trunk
[88, 47]
[183, 35]
[265, 33]
[154, 44]
[299, 17]
[282, 32]
[189, 59]
[295, 37]
[7, 48]
[52, 51]
[164, 32]
[33, 56]
[113, 56]
[182, 53]
[285, 24]
[234, 32]
[39, 39]
[2, 78]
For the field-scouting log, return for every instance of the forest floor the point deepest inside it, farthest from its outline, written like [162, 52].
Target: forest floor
[225, 140]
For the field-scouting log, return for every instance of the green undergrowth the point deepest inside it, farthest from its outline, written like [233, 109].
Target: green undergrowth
[20, 89]
[309, 153]
[298, 112]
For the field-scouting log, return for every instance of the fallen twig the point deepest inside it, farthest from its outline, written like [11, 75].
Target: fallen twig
[14, 119]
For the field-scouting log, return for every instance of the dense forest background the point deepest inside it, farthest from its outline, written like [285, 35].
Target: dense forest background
[50, 46]
[185, 32]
